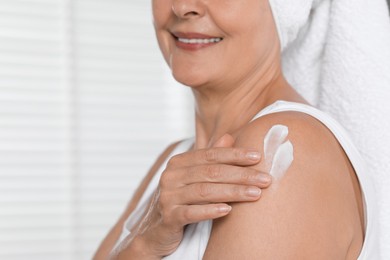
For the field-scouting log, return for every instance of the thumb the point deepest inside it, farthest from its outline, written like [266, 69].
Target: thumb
[225, 141]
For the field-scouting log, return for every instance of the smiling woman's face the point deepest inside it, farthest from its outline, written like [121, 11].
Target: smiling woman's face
[208, 42]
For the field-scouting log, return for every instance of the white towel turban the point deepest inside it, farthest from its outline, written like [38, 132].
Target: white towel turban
[336, 53]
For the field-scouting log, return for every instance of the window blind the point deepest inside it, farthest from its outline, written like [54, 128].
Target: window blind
[86, 105]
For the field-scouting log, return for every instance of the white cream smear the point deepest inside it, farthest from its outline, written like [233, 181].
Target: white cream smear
[278, 152]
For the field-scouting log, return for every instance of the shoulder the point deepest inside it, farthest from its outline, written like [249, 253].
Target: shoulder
[313, 145]
[310, 212]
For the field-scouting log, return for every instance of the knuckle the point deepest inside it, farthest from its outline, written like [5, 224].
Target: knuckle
[237, 191]
[204, 190]
[172, 161]
[245, 176]
[186, 218]
[210, 155]
[238, 154]
[164, 180]
[213, 172]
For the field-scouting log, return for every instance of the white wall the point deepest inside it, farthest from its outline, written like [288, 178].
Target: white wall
[86, 104]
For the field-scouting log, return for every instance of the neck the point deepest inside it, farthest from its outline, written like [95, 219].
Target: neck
[219, 112]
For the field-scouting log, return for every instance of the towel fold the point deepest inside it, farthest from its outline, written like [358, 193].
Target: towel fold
[336, 54]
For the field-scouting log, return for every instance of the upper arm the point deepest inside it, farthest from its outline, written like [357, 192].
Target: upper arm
[110, 240]
[310, 213]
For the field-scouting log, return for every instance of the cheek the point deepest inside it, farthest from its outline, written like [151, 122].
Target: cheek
[161, 9]
[250, 20]
[255, 35]
[161, 13]
[245, 29]
[161, 19]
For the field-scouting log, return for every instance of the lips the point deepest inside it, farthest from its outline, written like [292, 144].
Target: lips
[194, 41]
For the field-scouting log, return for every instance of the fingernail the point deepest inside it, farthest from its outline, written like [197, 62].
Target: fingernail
[253, 192]
[254, 156]
[224, 209]
[264, 178]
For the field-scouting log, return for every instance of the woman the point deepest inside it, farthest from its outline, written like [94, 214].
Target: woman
[228, 52]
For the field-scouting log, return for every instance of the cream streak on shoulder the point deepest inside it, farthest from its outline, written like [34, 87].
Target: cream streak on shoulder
[278, 152]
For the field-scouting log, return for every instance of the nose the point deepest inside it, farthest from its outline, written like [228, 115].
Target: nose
[187, 9]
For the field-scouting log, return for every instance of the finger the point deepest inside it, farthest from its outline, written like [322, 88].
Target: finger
[204, 193]
[221, 173]
[224, 155]
[197, 213]
[225, 141]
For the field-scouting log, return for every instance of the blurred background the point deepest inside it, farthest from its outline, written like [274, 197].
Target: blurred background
[86, 105]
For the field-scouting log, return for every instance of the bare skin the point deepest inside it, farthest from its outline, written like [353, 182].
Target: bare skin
[314, 212]
[195, 186]
[109, 241]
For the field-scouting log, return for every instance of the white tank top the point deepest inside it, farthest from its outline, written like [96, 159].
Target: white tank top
[196, 236]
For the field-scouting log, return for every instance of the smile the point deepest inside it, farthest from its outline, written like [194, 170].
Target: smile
[199, 41]
[192, 41]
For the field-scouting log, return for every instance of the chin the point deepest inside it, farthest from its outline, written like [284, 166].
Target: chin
[189, 79]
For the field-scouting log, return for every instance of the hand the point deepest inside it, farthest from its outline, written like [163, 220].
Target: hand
[196, 186]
